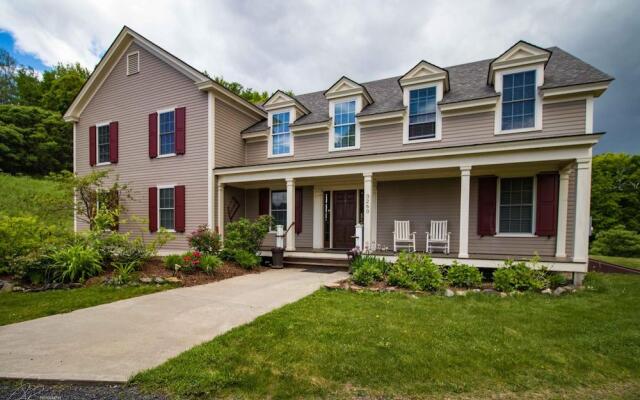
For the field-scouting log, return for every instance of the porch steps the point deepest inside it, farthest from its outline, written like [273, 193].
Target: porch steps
[315, 262]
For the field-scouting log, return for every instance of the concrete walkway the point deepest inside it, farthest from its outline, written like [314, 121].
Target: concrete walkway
[111, 342]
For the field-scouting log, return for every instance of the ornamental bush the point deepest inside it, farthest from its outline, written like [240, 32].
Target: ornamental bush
[245, 235]
[247, 260]
[209, 263]
[205, 240]
[463, 275]
[76, 263]
[518, 276]
[416, 272]
[367, 269]
[617, 242]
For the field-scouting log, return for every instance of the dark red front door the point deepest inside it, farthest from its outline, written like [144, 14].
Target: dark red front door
[344, 219]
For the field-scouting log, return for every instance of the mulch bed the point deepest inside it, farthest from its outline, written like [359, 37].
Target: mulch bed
[155, 267]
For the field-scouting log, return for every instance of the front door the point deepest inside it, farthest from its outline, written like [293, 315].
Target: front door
[344, 219]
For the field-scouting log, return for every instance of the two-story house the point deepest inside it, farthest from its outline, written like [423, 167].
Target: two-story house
[500, 149]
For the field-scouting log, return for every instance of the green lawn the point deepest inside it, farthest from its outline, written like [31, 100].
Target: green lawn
[20, 194]
[345, 345]
[16, 307]
[623, 261]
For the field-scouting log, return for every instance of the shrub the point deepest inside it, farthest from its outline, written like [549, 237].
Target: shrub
[415, 271]
[123, 272]
[172, 260]
[367, 269]
[246, 259]
[617, 242]
[205, 240]
[518, 276]
[556, 280]
[119, 248]
[463, 275]
[209, 263]
[245, 235]
[76, 263]
[190, 261]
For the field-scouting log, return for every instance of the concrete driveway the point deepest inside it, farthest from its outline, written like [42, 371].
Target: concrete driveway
[111, 342]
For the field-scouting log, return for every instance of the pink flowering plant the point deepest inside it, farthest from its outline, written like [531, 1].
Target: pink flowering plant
[205, 240]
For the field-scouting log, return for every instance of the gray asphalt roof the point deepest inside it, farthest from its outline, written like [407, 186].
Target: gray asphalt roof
[467, 82]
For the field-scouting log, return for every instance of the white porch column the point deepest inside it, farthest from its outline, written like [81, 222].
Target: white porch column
[465, 183]
[367, 212]
[563, 205]
[220, 218]
[583, 204]
[318, 232]
[291, 214]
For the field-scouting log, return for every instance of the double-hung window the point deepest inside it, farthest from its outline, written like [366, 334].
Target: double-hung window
[280, 134]
[516, 205]
[422, 113]
[344, 125]
[279, 207]
[166, 209]
[518, 100]
[104, 152]
[167, 132]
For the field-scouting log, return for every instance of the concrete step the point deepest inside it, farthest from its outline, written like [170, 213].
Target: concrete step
[315, 262]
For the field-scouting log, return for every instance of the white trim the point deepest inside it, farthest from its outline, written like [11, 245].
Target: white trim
[291, 214]
[534, 194]
[582, 210]
[166, 186]
[137, 53]
[465, 190]
[211, 143]
[164, 111]
[308, 127]
[563, 207]
[318, 222]
[75, 171]
[593, 89]
[220, 211]
[358, 108]
[292, 118]
[461, 105]
[353, 88]
[259, 134]
[368, 120]
[589, 115]
[406, 95]
[537, 126]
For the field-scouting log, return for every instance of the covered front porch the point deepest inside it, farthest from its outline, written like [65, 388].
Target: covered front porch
[331, 208]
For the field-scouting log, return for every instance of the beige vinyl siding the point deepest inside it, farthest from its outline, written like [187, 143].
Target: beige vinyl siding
[129, 100]
[304, 238]
[558, 119]
[229, 124]
[419, 201]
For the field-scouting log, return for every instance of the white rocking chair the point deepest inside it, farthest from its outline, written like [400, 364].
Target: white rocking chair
[403, 237]
[438, 237]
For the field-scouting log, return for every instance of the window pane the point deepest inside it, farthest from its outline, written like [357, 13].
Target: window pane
[103, 144]
[166, 219]
[279, 207]
[344, 124]
[281, 136]
[516, 205]
[422, 113]
[518, 100]
[167, 133]
[166, 207]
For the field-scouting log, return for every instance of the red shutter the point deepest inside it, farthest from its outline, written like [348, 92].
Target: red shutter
[547, 204]
[487, 205]
[181, 130]
[92, 145]
[153, 135]
[153, 209]
[113, 142]
[298, 217]
[180, 208]
[263, 202]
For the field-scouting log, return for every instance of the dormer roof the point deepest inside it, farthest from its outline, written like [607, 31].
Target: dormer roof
[281, 99]
[521, 53]
[425, 72]
[347, 87]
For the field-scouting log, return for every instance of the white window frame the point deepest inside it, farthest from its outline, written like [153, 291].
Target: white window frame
[534, 198]
[292, 116]
[100, 164]
[406, 98]
[537, 126]
[272, 228]
[332, 108]
[166, 110]
[169, 186]
[137, 53]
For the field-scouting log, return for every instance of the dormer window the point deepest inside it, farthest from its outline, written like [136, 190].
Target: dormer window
[518, 100]
[422, 113]
[344, 125]
[280, 134]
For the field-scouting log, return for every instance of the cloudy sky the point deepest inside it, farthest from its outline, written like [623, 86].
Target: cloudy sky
[307, 45]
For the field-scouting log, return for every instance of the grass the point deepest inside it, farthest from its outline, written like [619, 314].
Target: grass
[339, 344]
[623, 261]
[17, 307]
[20, 194]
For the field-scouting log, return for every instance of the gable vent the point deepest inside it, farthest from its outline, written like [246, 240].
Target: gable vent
[133, 63]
